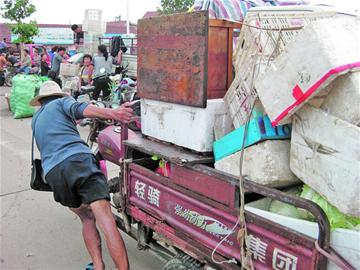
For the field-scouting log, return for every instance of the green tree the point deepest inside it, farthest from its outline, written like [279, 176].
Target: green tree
[174, 6]
[17, 11]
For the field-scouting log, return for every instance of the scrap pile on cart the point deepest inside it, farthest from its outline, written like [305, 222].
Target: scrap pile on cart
[289, 116]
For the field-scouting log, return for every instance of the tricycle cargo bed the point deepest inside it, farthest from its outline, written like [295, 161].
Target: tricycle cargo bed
[196, 207]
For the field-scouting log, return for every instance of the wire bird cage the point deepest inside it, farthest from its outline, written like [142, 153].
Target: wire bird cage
[263, 36]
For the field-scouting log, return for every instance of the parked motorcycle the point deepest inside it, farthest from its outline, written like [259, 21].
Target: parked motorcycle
[12, 71]
[9, 73]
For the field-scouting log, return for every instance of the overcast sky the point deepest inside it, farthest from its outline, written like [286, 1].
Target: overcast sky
[72, 11]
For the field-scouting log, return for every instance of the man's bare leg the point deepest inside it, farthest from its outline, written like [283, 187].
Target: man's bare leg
[91, 235]
[114, 241]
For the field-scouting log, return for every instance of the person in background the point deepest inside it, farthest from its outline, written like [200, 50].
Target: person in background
[102, 70]
[44, 65]
[11, 59]
[37, 58]
[3, 62]
[78, 34]
[25, 64]
[16, 51]
[55, 65]
[3, 46]
[53, 52]
[86, 73]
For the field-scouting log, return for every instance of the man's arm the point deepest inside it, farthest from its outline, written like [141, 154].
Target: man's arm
[123, 114]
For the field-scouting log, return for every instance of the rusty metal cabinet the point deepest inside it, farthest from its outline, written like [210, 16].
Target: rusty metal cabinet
[185, 58]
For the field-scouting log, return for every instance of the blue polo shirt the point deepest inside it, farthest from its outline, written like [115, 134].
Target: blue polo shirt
[56, 135]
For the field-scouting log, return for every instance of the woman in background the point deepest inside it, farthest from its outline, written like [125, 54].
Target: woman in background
[102, 70]
[86, 73]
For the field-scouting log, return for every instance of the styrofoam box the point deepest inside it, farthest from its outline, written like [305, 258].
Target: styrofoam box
[325, 155]
[186, 126]
[345, 242]
[343, 100]
[265, 163]
[67, 69]
[324, 50]
[69, 84]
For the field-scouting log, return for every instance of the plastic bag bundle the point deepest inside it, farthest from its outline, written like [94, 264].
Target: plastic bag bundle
[24, 88]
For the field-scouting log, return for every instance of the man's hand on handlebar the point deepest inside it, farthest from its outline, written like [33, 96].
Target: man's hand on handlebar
[124, 113]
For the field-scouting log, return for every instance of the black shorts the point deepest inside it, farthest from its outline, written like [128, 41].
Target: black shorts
[78, 180]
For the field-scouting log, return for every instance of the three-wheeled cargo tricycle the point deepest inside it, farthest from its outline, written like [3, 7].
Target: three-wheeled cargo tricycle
[188, 217]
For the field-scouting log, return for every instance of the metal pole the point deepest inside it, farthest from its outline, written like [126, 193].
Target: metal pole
[127, 18]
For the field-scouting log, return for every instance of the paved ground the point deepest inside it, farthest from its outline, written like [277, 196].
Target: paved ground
[35, 232]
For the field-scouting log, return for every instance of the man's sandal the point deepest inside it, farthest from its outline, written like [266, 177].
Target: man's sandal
[90, 266]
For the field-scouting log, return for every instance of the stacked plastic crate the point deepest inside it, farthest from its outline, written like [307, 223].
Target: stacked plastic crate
[93, 28]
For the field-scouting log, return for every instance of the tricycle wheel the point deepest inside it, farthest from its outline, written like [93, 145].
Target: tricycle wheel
[113, 184]
[183, 262]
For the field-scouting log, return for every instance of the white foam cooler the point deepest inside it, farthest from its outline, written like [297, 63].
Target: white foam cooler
[344, 98]
[185, 126]
[321, 52]
[325, 155]
[266, 163]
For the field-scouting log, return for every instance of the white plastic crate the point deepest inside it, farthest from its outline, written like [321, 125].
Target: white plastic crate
[94, 26]
[90, 48]
[91, 42]
[90, 38]
[93, 14]
[256, 48]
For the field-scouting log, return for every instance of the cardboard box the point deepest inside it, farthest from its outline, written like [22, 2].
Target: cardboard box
[325, 155]
[69, 70]
[320, 53]
[266, 163]
[258, 130]
[185, 126]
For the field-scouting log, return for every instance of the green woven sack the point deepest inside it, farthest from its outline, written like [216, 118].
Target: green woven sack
[24, 88]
